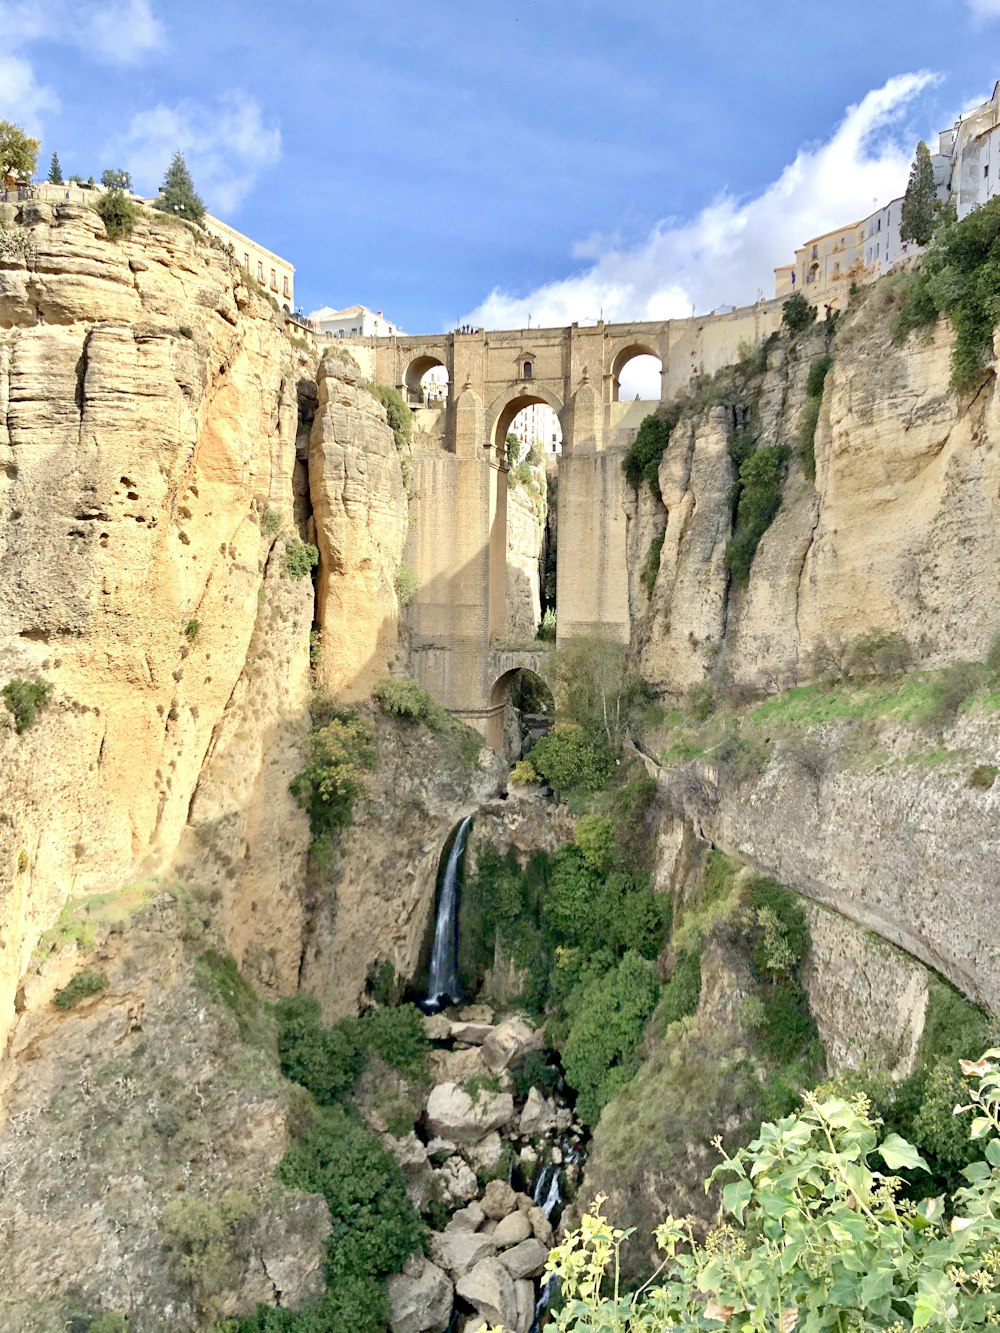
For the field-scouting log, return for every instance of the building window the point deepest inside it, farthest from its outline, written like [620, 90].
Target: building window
[527, 370]
[287, 292]
[274, 280]
[815, 253]
[260, 270]
[246, 261]
[986, 169]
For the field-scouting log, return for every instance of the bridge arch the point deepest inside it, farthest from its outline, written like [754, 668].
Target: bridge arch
[415, 372]
[527, 680]
[623, 357]
[507, 405]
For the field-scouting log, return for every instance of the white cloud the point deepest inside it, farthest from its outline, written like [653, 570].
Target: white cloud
[118, 32]
[985, 9]
[225, 144]
[21, 98]
[729, 250]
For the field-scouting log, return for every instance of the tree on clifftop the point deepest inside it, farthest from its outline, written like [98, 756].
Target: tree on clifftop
[919, 215]
[18, 152]
[178, 194]
[55, 176]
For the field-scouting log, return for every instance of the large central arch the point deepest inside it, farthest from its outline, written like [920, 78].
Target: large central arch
[506, 406]
[623, 357]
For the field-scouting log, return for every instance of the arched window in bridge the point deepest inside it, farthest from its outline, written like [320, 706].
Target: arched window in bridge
[527, 370]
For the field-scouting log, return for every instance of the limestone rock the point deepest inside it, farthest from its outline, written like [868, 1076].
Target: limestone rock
[489, 1289]
[453, 1114]
[538, 1115]
[470, 1218]
[458, 1251]
[457, 1066]
[475, 1013]
[507, 1042]
[526, 1259]
[458, 1180]
[412, 1156]
[420, 1303]
[437, 1027]
[524, 1299]
[472, 1034]
[541, 1227]
[512, 1230]
[484, 1155]
[498, 1199]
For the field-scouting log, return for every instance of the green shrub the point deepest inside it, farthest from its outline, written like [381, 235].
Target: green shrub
[983, 776]
[807, 436]
[652, 566]
[374, 1226]
[397, 1036]
[192, 629]
[26, 699]
[108, 1323]
[219, 974]
[356, 1304]
[700, 700]
[523, 772]
[271, 521]
[679, 996]
[572, 759]
[797, 314]
[83, 985]
[534, 1071]
[816, 378]
[950, 689]
[880, 654]
[406, 583]
[759, 498]
[325, 1060]
[601, 1051]
[340, 755]
[642, 459]
[405, 698]
[118, 213]
[300, 559]
[206, 1240]
[399, 416]
[596, 839]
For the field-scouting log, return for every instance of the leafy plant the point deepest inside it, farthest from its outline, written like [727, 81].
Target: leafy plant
[300, 559]
[815, 1233]
[652, 566]
[340, 754]
[759, 499]
[397, 413]
[880, 653]
[407, 699]
[118, 212]
[406, 583]
[642, 459]
[797, 314]
[26, 699]
[570, 758]
[83, 985]
[192, 629]
[983, 776]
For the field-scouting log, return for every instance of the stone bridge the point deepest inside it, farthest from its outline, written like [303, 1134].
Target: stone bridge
[457, 541]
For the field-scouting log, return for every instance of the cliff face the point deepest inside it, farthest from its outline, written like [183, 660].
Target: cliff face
[898, 533]
[360, 503]
[148, 416]
[524, 550]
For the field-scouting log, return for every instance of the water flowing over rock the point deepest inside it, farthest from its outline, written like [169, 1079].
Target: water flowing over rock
[443, 982]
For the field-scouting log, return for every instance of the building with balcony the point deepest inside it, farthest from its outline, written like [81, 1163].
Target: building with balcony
[356, 321]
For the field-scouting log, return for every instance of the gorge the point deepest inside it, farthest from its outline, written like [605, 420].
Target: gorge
[757, 852]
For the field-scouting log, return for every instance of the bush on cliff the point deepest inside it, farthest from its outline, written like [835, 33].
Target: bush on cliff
[758, 492]
[341, 754]
[119, 214]
[26, 699]
[642, 459]
[572, 759]
[407, 699]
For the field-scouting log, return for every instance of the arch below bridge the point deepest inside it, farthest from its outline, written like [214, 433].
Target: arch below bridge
[500, 696]
[507, 405]
[415, 372]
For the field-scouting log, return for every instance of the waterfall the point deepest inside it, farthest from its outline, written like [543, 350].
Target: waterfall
[443, 986]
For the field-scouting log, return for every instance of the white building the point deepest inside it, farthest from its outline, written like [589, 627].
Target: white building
[357, 321]
[968, 156]
[275, 275]
[538, 425]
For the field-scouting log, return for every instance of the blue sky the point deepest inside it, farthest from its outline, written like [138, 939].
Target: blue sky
[493, 160]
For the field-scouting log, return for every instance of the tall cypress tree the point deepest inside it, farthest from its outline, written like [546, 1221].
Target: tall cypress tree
[178, 195]
[55, 171]
[919, 216]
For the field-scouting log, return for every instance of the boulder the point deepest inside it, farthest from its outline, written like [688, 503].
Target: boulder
[538, 1116]
[524, 1299]
[453, 1114]
[512, 1230]
[420, 1302]
[472, 1034]
[458, 1251]
[470, 1218]
[441, 1148]
[498, 1199]
[526, 1259]
[458, 1180]
[484, 1155]
[507, 1042]
[437, 1027]
[489, 1289]
[475, 1013]
[411, 1155]
[456, 1066]
[541, 1227]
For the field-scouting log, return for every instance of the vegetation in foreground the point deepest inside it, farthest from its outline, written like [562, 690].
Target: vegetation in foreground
[818, 1235]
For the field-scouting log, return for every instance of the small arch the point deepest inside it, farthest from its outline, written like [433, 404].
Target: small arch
[426, 381]
[643, 364]
[533, 708]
